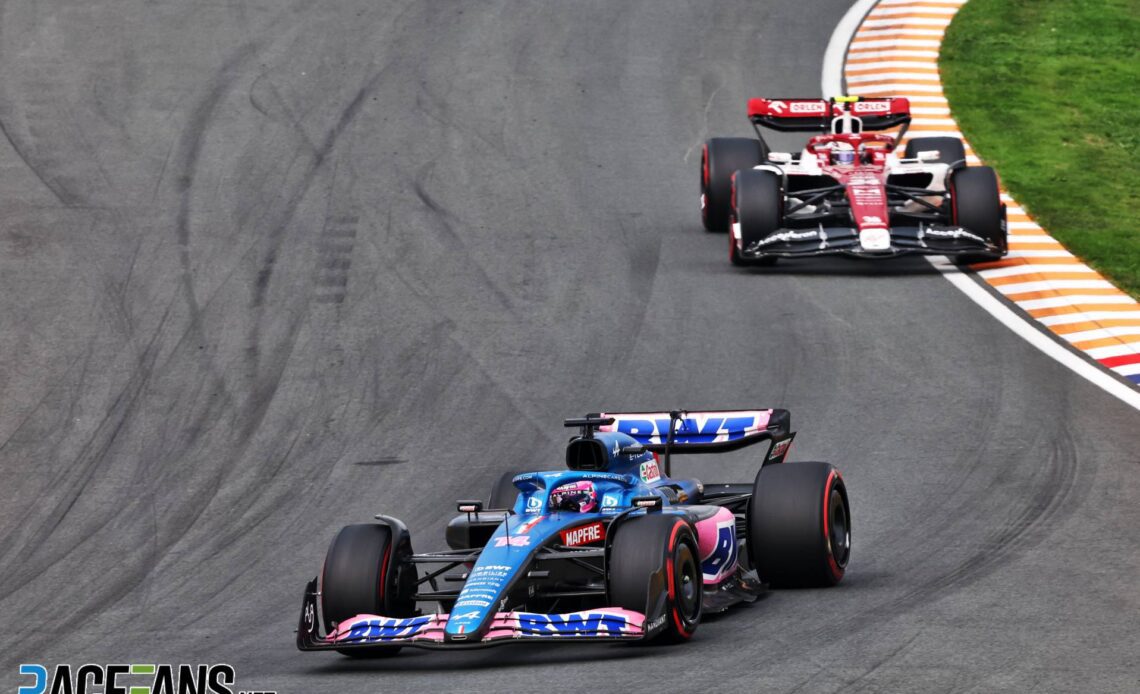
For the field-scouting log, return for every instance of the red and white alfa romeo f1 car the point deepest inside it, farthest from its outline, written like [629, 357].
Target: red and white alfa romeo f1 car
[848, 191]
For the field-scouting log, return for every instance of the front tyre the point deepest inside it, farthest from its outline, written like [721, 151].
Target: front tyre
[365, 572]
[721, 157]
[654, 569]
[757, 211]
[975, 205]
[799, 525]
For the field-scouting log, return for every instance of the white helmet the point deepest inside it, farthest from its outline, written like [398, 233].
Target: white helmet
[842, 153]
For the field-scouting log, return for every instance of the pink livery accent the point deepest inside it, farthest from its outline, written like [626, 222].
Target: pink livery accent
[716, 540]
[371, 628]
[604, 622]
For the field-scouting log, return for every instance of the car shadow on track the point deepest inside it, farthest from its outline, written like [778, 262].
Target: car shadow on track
[903, 266]
[514, 655]
[507, 656]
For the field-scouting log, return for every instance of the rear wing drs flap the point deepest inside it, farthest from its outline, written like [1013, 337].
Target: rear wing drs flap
[807, 115]
[708, 431]
[689, 431]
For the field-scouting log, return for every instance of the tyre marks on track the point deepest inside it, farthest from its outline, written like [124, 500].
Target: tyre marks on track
[334, 258]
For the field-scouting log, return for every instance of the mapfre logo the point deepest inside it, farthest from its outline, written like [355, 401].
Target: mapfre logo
[594, 532]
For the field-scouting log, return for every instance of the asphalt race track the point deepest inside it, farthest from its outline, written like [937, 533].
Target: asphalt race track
[267, 268]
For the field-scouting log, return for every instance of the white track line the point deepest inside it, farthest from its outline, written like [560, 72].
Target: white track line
[832, 85]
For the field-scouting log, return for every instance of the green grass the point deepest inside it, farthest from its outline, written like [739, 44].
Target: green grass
[1048, 93]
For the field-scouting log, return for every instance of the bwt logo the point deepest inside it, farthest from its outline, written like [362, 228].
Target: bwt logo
[690, 430]
[130, 679]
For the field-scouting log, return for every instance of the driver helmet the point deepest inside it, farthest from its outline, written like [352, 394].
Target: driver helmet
[842, 154]
[579, 497]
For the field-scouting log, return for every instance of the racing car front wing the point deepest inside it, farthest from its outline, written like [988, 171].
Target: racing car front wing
[428, 631]
[882, 243]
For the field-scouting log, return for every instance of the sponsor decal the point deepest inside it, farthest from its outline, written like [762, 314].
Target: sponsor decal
[779, 449]
[136, 679]
[472, 603]
[723, 557]
[875, 239]
[490, 567]
[786, 236]
[533, 504]
[474, 614]
[574, 623]
[700, 428]
[530, 523]
[650, 472]
[584, 535]
[611, 501]
[872, 220]
[512, 540]
[811, 108]
[955, 234]
[777, 107]
[655, 624]
[310, 616]
[872, 107]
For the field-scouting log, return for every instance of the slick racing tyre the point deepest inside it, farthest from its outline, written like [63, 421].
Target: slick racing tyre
[950, 149]
[504, 492]
[365, 572]
[757, 203]
[654, 569]
[799, 525]
[975, 205]
[720, 158]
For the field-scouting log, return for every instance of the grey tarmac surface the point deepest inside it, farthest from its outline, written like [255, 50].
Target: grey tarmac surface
[267, 268]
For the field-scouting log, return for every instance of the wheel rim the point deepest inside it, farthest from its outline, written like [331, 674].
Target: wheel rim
[839, 530]
[688, 587]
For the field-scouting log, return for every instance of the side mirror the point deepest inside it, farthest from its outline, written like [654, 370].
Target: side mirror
[929, 155]
[649, 503]
[779, 157]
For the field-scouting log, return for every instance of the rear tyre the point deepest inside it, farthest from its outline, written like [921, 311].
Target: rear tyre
[720, 158]
[758, 207]
[504, 493]
[799, 525]
[365, 572]
[975, 205]
[654, 569]
[950, 149]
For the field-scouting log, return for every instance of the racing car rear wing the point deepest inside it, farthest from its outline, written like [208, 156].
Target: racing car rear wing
[808, 115]
[708, 431]
[705, 431]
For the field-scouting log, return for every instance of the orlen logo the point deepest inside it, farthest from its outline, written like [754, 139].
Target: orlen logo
[594, 532]
[872, 107]
[650, 472]
[813, 108]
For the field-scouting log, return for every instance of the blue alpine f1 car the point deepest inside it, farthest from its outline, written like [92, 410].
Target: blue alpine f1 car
[613, 548]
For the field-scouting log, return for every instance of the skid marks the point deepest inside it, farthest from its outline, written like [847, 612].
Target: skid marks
[334, 258]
